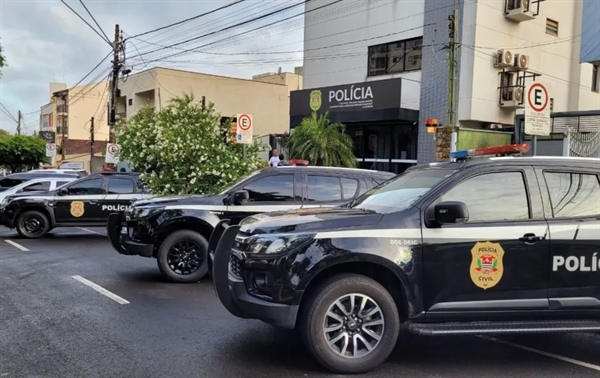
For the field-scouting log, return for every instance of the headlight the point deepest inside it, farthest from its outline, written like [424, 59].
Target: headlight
[278, 243]
[144, 211]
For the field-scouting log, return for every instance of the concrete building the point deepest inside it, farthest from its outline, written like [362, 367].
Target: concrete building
[396, 48]
[265, 97]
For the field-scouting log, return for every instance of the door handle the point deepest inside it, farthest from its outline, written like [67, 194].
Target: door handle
[93, 203]
[530, 238]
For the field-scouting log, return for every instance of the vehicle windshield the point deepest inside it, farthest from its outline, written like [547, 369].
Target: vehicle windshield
[228, 189]
[400, 192]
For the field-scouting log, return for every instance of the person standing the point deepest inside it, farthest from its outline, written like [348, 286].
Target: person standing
[274, 161]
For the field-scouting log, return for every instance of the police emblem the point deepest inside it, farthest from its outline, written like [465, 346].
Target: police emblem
[315, 100]
[487, 265]
[77, 209]
[405, 255]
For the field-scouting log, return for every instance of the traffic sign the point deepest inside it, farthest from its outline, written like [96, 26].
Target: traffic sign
[50, 149]
[244, 128]
[112, 153]
[537, 110]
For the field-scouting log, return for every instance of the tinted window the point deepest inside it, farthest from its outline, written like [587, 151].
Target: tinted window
[10, 182]
[86, 187]
[61, 183]
[272, 188]
[323, 188]
[573, 195]
[492, 197]
[38, 186]
[120, 186]
[349, 187]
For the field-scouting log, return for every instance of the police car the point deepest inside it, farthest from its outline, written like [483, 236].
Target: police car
[475, 246]
[84, 202]
[175, 230]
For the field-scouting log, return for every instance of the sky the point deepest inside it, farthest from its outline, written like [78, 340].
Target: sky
[44, 41]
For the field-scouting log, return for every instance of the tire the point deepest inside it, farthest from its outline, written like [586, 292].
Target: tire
[32, 224]
[312, 323]
[192, 239]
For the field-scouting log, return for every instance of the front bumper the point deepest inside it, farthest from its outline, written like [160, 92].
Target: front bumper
[5, 220]
[121, 242]
[232, 292]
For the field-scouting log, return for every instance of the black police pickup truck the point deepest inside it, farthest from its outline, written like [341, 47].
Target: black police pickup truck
[487, 246]
[84, 202]
[175, 230]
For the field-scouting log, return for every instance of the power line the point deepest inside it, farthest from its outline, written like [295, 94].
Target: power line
[8, 113]
[93, 19]
[87, 23]
[242, 23]
[189, 19]
[93, 69]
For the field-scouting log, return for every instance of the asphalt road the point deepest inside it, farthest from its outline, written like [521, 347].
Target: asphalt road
[54, 325]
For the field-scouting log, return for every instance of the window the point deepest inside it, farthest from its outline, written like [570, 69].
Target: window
[595, 79]
[492, 197]
[86, 188]
[394, 57]
[573, 195]
[323, 188]
[272, 188]
[349, 187]
[120, 186]
[552, 27]
[61, 183]
[10, 182]
[37, 187]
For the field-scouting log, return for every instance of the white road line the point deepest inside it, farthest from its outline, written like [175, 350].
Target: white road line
[101, 290]
[90, 231]
[547, 354]
[17, 245]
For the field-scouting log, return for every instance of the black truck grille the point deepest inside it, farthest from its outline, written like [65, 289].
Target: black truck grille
[235, 266]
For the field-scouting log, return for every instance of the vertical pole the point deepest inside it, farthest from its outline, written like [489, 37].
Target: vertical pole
[62, 128]
[114, 83]
[92, 145]
[534, 145]
[19, 123]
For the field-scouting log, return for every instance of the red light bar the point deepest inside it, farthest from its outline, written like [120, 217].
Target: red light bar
[509, 149]
[298, 162]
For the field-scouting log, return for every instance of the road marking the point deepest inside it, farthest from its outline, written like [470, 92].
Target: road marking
[547, 354]
[101, 290]
[17, 245]
[90, 231]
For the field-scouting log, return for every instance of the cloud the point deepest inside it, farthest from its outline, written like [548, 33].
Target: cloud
[45, 42]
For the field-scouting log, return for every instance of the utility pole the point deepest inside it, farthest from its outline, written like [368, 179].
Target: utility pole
[19, 123]
[444, 137]
[63, 122]
[114, 83]
[92, 145]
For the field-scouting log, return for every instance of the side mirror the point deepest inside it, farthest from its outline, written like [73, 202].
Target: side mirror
[451, 212]
[240, 197]
[62, 192]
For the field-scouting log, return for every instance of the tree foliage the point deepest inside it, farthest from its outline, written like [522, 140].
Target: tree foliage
[321, 142]
[22, 152]
[2, 60]
[4, 133]
[184, 149]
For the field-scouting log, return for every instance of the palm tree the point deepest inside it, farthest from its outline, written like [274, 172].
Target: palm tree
[321, 143]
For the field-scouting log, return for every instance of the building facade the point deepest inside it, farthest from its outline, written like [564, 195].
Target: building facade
[266, 97]
[504, 46]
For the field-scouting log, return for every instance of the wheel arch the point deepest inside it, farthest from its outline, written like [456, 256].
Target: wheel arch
[380, 272]
[187, 223]
[38, 208]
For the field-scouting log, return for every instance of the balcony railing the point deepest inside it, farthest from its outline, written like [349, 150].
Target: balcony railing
[62, 108]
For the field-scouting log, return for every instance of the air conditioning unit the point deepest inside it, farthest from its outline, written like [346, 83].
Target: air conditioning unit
[504, 58]
[519, 10]
[521, 62]
[511, 98]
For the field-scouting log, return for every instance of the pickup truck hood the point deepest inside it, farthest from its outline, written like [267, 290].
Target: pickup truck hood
[308, 220]
[179, 200]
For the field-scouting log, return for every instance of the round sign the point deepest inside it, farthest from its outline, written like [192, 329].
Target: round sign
[537, 97]
[113, 149]
[50, 147]
[244, 122]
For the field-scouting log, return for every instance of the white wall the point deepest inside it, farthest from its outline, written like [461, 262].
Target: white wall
[331, 59]
[485, 29]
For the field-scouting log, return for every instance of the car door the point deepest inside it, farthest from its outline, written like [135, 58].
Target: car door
[573, 199]
[81, 203]
[278, 191]
[121, 193]
[496, 262]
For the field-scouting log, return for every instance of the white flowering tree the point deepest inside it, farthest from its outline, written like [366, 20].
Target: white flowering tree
[185, 149]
